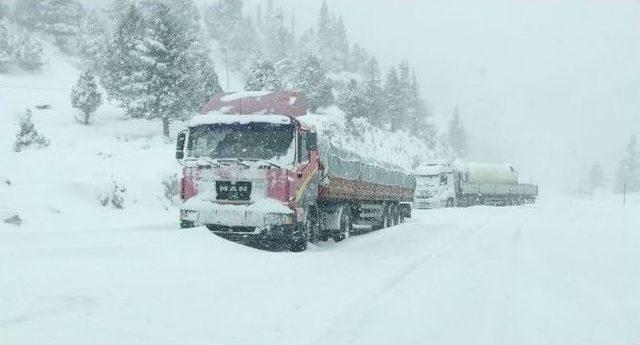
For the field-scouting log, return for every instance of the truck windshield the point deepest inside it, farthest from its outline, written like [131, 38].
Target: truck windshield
[427, 181]
[254, 140]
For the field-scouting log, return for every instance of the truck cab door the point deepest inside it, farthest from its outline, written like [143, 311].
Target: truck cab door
[307, 163]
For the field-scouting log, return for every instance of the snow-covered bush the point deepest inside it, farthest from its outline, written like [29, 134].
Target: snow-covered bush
[171, 189]
[28, 135]
[28, 53]
[85, 96]
[114, 196]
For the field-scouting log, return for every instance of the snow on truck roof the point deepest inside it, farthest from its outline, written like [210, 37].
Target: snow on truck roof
[289, 103]
[240, 119]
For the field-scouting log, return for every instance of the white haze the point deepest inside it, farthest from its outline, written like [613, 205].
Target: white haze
[548, 85]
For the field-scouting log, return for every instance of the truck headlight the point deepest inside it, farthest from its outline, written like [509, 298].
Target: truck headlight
[189, 215]
[278, 218]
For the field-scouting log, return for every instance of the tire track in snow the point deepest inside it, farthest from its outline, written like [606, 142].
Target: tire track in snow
[357, 312]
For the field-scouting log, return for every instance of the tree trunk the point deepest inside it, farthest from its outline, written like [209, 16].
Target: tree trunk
[86, 119]
[165, 127]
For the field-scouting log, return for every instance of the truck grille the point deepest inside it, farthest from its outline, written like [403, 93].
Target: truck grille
[231, 229]
[233, 191]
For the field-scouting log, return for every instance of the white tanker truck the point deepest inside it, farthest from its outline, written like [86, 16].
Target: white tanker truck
[466, 184]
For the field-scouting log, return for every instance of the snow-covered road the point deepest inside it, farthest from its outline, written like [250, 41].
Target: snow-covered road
[559, 272]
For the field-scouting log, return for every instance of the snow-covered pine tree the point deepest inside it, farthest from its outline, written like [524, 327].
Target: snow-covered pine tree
[332, 43]
[85, 96]
[62, 19]
[628, 174]
[200, 81]
[6, 56]
[457, 136]
[222, 18]
[28, 53]
[352, 101]
[121, 77]
[597, 179]
[28, 135]
[358, 59]
[393, 98]
[118, 9]
[315, 85]
[187, 15]
[373, 93]
[419, 114]
[92, 42]
[162, 81]
[278, 41]
[262, 76]
[28, 14]
[4, 10]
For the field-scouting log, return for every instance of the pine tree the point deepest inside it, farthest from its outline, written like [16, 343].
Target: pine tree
[120, 77]
[62, 19]
[628, 175]
[358, 59]
[313, 82]
[395, 106]
[597, 178]
[373, 93]
[332, 44]
[162, 83]
[28, 53]
[262, 76]
[352, 101]
[85, 96]
[28, 14]
[187, 14]
[457, 136]
[28, 135]
[118, 9]
[4, 10]
[92, 42]
[6, 57]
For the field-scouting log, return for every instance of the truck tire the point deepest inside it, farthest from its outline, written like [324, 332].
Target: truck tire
[300, 239]
[345, 225]
[312, 226]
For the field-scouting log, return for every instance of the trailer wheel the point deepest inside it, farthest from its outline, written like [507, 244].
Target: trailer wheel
[346, 225]
[396, 214]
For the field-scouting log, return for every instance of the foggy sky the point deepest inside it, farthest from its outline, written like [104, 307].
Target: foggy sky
[549, 85]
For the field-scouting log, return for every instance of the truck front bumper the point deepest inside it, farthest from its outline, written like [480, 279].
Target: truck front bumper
[425, 203]
[240, 221]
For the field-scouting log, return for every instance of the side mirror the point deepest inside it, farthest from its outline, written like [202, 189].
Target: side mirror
[182, 138]
[312, 141]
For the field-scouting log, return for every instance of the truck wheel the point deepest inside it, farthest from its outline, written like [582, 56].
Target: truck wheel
[345, 225]
[311, 225]
[299, 241]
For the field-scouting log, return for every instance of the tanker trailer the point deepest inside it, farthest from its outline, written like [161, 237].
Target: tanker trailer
[491, 184]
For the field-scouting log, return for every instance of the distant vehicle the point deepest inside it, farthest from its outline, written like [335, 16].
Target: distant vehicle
[466, 184]
[269, 176]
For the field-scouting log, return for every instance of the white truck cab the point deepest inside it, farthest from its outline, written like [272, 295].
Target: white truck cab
[435, 186]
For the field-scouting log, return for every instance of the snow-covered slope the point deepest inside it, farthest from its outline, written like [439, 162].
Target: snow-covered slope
[60, 186]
